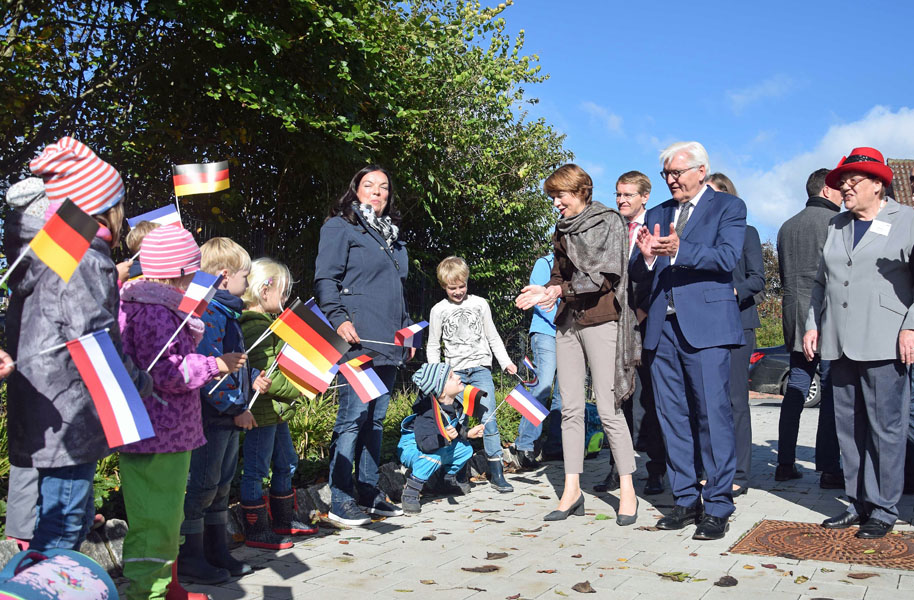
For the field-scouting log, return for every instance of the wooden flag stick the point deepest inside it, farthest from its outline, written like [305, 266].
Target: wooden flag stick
[269, 372]
[377, 342]
[134, 257]
[254, 345]
[178, 206]
[55, 347]
[15, 264]
[170, 340]
[489, 418]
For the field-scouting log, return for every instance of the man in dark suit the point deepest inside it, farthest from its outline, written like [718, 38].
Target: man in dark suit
[689, 247]
[800, 242]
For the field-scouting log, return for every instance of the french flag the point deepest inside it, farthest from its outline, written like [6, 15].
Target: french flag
[531, 369]
[120, 408]
[200, 291]
[167, 215]
[527, 405]
[410, 337]
[363, 379]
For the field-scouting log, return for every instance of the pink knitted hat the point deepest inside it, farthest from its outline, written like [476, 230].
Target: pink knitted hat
[71, 170]
[169, 252]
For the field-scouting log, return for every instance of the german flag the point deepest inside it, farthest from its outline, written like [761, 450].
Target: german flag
[471, 397]
[200, 179]
[304, 331]
[439, 421]
[64, 239]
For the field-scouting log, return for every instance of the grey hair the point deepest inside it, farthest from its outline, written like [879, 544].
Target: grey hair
[696, 153]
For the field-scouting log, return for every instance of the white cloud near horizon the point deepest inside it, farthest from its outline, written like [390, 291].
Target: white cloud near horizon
[773, 87]
[610, 120]
[776, 194]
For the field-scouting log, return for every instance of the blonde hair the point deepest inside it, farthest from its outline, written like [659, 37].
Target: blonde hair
[113, 219]
[451, 270]
[134, 239]
[572, 179]
[636, 178]
[222, 253]
[266, 273]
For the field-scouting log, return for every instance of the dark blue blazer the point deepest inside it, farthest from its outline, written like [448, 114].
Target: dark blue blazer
[749, 279]
[701, 282]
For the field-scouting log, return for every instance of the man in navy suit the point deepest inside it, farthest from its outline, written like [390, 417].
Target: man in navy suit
[689, 248]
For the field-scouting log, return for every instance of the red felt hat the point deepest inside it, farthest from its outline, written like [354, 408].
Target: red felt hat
[864, 160]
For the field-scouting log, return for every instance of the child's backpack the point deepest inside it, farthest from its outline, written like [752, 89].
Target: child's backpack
[55, 575]
[593, 430]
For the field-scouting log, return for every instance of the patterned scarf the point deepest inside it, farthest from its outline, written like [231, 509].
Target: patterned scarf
[382, 225]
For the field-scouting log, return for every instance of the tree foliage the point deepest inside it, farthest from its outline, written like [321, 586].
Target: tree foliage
[297, 95]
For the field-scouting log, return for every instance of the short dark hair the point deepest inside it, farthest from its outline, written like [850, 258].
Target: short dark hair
[343, 206]
[816, 182]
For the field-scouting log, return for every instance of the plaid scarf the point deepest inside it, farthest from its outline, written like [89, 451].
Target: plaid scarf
[382, 225]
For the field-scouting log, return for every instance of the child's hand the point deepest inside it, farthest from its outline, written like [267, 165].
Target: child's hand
[511, 369]
[6, 364]
[245, 420]
[262, 383]
[231, 362]
[123, 270]
[476, 432]
[451, 432]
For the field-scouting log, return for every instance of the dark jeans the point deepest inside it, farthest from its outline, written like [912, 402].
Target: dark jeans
[212, 468]
[265, 446]
[798, 382]
[65, 507]
[356, 443]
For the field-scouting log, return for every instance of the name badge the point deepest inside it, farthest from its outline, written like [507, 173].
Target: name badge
[880, 227]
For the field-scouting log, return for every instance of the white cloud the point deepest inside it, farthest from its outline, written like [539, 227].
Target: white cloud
[776, 194]
[773, 87]
[610, 120]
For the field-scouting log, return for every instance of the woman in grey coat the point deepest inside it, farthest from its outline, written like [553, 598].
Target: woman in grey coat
[358, 281]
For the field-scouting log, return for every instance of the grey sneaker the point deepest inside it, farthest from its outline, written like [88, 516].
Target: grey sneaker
[382, 508]
[349, 514]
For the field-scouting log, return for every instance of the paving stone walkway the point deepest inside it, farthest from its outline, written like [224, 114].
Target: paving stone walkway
[424, 556]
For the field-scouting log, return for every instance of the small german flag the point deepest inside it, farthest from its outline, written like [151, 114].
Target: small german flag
[471, 397]
[439, 421]
[200, 179]
[307, 333]
[64, 239]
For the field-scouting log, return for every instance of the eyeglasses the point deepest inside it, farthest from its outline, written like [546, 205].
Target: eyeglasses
[851, 183]
[677, 173]
[626, 196]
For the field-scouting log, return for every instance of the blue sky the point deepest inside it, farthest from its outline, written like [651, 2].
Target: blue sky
[772, 89]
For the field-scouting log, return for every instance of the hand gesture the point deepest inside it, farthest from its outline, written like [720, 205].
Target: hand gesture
[245, 421]
[262, 383]
[6, 364]
[645, 242]
[667, 245]
[231, 362]
[511, 369]
[811, 343]
[123, 270]
[476, 432]
[347, 332]
[906, 346]
[451, 432]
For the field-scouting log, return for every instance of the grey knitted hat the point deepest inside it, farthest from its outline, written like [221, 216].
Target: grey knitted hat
[431, 377]
[28, 195]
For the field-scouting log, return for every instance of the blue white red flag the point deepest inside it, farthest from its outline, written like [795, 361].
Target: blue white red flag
[531, 370]
[410, 337]
[363, 378]
[167, 215]
[120, 409]
[527, 405]
[312, 304]
[200, 291]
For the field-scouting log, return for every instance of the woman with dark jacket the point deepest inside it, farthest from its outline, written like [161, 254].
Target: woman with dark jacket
[595, 327]
[358, 281]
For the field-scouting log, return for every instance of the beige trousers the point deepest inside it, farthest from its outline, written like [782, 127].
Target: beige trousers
[577, 347]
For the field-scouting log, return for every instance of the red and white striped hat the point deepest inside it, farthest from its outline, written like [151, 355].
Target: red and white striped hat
[169, 252]
[71, 170]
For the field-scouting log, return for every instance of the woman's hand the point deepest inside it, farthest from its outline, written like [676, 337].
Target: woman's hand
[262, 383]
[906, 346]
[346, 330]
[123, 270]
[231, 362]
[476, 432]
[6, 364]
[451, 432]
[538, 295]
[245, 420]
[511, 369]
[810, 343]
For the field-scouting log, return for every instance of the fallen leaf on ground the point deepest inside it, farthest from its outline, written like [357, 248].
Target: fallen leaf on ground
[496, 555]
[622, 559]
[560, 593]
[537, 530]
[675, 576]
[827, 570]
[584, 588]
[870, 551]
[801, 579]
[693, 553]
[862, 575]
[548, 571]
[544, 497]
[748, 567]
[344, 541]
[482, 510]
[346, 554]
[769, 566]
[494, 521]
[476, 589]
[404, 591]
[482, 569]
[428, 538]
[520, 504]
[647, 528]
[601, 517]
[427, 582]
[530, 535]
[514, 597]
[726, 581]
[575, 556]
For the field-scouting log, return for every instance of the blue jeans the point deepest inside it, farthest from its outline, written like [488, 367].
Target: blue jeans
[543, 346]
[356, 443]
[451, 456]
[263, 445]
[481, 377]
[66, 507]
[798, 381]
[212, 468]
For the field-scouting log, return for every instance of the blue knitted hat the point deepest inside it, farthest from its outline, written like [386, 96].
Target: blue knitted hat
[431, 377]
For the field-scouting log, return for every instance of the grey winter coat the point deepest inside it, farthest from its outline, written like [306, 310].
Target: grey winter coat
[52, 420]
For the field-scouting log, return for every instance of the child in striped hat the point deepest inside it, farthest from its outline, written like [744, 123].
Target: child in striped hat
[433, 437]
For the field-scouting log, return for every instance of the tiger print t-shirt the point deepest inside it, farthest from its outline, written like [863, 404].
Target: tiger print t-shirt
[468, 334]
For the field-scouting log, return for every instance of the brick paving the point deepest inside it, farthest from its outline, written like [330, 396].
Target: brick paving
[423, 556]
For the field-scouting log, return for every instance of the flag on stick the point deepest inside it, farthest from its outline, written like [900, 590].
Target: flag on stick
[363, 378]
[201, 290]
[120, 409]
[167, 215]
[201, 178]
[531, 370]
[527, 405]
[439, 421]
[64, 239]
[313, 307]
[472, 396]
[302, 329]
[302, 373]
[410, 337]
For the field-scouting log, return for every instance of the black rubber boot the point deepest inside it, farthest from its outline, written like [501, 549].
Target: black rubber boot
[282, 511]
[217, 552]
[411, 491]
[193, 566]
[257, 530]
[497, 476]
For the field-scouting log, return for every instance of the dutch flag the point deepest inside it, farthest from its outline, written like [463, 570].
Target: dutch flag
[167, 215]
[410, 337]
[527, 405]
[120, 408]
[363, 379]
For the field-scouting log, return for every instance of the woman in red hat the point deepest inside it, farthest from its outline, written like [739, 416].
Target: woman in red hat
[860, 319]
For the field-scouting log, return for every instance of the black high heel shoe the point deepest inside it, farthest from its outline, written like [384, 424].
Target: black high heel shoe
[626, 520]
[576, 509]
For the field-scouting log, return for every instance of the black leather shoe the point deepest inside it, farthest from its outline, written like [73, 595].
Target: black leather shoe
[711, 528]
[740, 490]
[786, 473]
[831, 481]
[527, 460]
[874, 529]
[682, 516]
[609, 484]
[654, 485]
[842, 521]
[576, 509]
